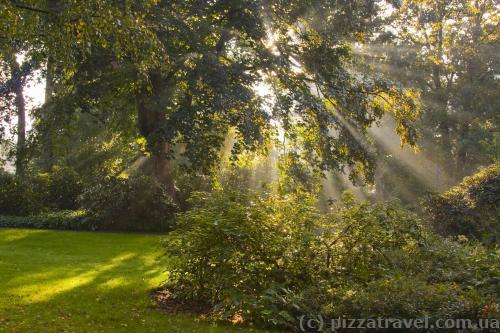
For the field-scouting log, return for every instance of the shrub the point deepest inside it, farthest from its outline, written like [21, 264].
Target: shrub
[64, 187]
[227, 249]
[428, 276]
[17, 196]
[472, 208]
[138, 203]
[34, 194]
[188, 182]
[62, 220]
[269, 259]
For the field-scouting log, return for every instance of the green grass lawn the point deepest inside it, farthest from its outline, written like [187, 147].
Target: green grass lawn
[54, 281]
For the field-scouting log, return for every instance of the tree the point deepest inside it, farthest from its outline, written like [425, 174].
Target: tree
[20, 104]
[13, 101]
[193, 66]
[55, 35]
[449, 51]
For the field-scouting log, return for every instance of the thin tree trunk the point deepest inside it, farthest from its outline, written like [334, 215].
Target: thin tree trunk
[21, 132]
[461, 157]
[54, 6]
[473, 67]
[47, 151]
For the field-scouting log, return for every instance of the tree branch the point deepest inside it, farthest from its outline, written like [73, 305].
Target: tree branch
[37, 10]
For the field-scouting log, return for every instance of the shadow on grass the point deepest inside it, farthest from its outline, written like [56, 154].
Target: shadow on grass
[84, 282]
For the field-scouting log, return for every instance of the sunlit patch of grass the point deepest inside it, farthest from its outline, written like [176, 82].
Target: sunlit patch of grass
[54, 281]
[13, 235]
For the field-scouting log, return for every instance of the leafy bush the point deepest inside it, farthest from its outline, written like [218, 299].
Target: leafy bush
[138, 203]
[427, 276]
[64, 187]
[471, 208]
[17, 196]
[62, 220]
[188, 182]
[270, 259]
[227, 248]
[34, 194]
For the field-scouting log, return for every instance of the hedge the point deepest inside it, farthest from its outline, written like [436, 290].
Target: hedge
[62, 220]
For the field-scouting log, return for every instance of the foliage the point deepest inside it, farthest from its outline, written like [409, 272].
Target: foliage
[138, 203]
[449, 51]
[270, 259]
[228, 248]
[88, 131]
[60, 189]
[17, 196]
[61, 220]
[134, 87]
[183, 73]
[135, 204]
[425, 276]
[187, 183]
[32, 194]
[65, 32]
[470, 208]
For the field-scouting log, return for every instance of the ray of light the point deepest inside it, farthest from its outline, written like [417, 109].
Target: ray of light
[430, 173]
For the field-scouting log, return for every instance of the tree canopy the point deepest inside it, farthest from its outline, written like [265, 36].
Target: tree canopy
[184, 73]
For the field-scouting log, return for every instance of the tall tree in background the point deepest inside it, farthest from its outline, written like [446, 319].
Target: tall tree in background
[13, 102]
[448, 50]
[19, 79]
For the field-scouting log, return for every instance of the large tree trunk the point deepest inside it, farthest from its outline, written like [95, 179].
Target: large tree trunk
[20, 105]
[162, 169]
[151, 116]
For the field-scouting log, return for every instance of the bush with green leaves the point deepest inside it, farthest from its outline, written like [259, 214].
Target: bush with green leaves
[138, 203]
[423, 276]
[270, 259]
[188, 182]
[57, 190]
[472, 208]
[17, 196]
[64, 187]
[36, 193]
[231, 247]
[61, 220]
